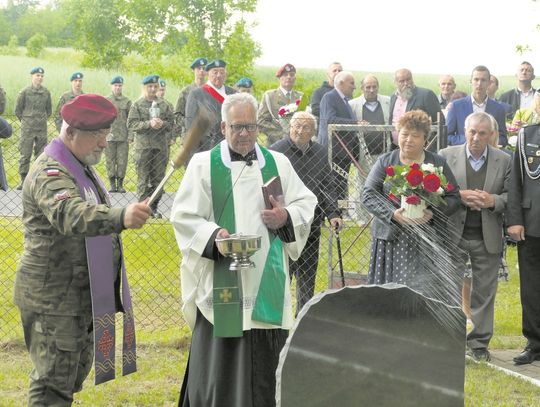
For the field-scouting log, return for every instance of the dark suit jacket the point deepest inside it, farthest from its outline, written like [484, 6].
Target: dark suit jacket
[422, 99]
[333, 110]
[463, 107]
[513, 99]
[523, 206]
[496, 183]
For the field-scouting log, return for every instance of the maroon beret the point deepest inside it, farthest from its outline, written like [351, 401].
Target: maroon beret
[285, 68]
[89, 112]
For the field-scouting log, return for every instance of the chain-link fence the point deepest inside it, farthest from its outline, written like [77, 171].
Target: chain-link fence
[151, 253]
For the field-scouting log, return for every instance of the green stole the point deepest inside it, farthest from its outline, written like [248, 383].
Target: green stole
[227, 284]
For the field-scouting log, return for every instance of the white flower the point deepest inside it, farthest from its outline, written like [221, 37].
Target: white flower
[512, 141]
[440, 191]
[428, 167]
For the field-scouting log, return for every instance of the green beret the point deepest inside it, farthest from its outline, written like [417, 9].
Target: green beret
[198, 62]
[244, 83]
[216, 63]
[117, 79]
[76, 75]
[150, 79]
[37, 69]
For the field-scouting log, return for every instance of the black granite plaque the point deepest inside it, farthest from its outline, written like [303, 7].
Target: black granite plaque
[374, 346]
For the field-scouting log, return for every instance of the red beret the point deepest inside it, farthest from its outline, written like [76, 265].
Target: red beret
[285, 68]
[89, 112]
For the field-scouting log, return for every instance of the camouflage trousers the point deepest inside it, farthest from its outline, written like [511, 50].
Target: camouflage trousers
[116, 155]
[30, 140]
[151, 165]
[62, 351]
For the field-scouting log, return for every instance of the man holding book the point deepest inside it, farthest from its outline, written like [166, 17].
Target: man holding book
[240, 318]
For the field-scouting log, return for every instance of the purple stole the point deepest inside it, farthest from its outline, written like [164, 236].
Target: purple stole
[100, 268]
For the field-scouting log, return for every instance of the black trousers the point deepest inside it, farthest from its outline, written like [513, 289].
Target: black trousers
[529, 280]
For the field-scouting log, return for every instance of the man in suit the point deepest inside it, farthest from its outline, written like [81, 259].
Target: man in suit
[315, 103]
[199, 72]
[409, 97]
[523, 220]
[482, 173]
[335, 109]
[207, 100]
[477, 102]
[372, 108]
[523, 95]
[278, 105]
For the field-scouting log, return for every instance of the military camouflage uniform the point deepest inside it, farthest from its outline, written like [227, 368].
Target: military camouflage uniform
[151, 145]
[33, 108]
[2, 100]
[117, 151]
[66, 97]
[180, 109]
[52, 287]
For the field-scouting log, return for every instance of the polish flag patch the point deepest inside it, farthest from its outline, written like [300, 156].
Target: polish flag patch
[52, 172]
[61, 196]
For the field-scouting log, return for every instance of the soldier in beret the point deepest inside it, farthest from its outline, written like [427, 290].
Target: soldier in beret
[117, 150]
[198, 67]
[70, 272]
[208, 100]
[150, 121]
[244, 85]
[33, 108]
[76, 80]
[277, 106]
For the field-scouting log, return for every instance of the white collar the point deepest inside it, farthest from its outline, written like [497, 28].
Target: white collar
[226, 155]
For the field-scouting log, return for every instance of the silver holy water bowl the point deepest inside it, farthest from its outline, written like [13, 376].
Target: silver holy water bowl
[240, 248]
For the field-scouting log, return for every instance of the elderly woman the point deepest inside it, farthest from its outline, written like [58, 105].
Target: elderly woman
[403, 249]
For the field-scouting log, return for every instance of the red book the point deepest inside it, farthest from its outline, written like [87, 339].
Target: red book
[272, 187]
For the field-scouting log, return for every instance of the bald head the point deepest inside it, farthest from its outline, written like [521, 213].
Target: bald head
[447, 86]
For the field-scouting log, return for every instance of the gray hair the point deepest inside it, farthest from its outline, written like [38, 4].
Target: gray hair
[340, 77]
[237, 99]
[303, 115]
[479, 117]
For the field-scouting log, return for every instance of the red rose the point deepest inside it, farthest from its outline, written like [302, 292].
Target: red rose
[431, 183]
[413, 199]
[415, 177]
[450, 187]
[282, 111]
[415, 166]
[297, 102]
[392, 197]
[390, 171]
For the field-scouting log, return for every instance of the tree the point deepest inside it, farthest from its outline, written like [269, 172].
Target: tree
[35, 44]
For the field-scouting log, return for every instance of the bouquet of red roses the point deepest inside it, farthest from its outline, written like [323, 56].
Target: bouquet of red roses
[416, 183]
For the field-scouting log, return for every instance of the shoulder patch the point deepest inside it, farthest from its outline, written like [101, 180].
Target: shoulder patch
[61, 196]
[52, 172]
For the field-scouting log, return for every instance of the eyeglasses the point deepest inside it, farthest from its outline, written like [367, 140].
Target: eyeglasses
[237, 128]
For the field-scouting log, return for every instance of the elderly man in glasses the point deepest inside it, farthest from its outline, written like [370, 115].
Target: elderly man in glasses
[240, 318]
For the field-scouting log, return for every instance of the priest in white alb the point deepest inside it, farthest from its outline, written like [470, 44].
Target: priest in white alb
[240, 319]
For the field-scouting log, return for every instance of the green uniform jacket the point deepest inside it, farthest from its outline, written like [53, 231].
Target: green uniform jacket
[66, 97]
[34, 106]
[269, 121]
[139, 124]
[52, 276]
[119, 130]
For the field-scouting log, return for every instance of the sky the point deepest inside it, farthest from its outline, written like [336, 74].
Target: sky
[426, 36]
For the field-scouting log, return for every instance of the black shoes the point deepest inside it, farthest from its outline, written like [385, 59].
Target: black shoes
[526, 357]
[479, 355]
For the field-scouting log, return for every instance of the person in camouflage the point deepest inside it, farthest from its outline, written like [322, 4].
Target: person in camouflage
[150, 121]
[52, 287]
[33, 108]
[174, 132]
[117, 150]
[2, 100]
[76, 90]
[198, 68]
